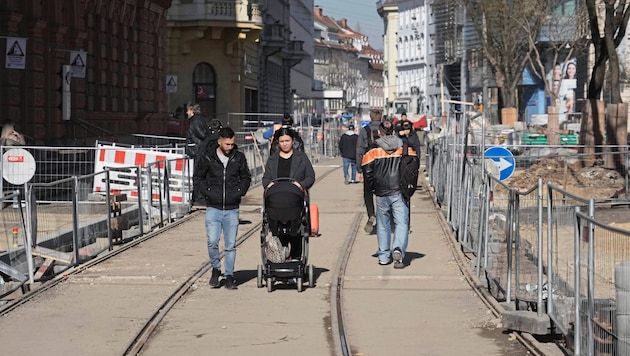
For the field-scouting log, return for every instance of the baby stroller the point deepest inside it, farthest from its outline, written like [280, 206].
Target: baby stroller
[286, 216]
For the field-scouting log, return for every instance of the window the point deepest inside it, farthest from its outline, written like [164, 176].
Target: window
[204, 89]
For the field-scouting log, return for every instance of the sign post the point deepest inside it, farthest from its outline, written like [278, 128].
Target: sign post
[18, 167]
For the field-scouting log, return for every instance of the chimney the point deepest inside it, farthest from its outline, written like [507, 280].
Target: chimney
[318, 11]
[344, 23]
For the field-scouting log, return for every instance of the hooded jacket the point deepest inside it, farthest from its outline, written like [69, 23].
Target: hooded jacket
[222, 186]
[380, 166]
[348, 145]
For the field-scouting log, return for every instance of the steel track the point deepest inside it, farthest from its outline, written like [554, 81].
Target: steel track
[144, 336]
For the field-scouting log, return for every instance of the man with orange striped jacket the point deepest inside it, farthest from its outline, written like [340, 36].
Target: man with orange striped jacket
[380, 167]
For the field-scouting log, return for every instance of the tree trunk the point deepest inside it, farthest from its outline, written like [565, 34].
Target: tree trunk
[508, 116]
[591, 130]
[553, 126]
[508, 100]
[597, 78]
[616, 135]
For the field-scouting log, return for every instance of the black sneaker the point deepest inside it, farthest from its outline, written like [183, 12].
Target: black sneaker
[214, 279]
[230, 282]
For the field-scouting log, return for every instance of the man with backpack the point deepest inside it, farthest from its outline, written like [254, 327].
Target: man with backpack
[366, 140]
[381, 168]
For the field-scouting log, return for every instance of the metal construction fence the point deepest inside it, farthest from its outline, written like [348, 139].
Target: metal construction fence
[551, 239]
[73, 203]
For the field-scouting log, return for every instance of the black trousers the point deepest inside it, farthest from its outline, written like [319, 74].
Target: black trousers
[368, 199]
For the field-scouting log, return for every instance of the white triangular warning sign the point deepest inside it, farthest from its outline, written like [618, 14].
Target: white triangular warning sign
[15, 57]
[15, 50]
[171, 84]
[78, 61]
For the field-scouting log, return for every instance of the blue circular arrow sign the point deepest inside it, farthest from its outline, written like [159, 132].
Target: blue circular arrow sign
[504, 160]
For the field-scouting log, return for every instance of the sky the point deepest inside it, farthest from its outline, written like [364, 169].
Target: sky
[357, 12]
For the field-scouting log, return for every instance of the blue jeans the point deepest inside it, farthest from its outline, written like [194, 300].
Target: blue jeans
[396, 206]
[352, 163]
[218, 220]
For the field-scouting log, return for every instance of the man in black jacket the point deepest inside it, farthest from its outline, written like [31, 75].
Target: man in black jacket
[197, 131]
[348, 150]
[224, 178]
[381, 172]
[365, 142]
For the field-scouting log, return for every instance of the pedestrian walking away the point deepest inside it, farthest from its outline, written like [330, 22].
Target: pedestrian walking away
[365, 141]
[381, 173]
[224, 178]
[197, 131]
[348, 150]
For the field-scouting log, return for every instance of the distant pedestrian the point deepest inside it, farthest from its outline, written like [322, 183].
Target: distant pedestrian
[366, 140]
[287, 122]
[348, 151]
[404, 129]
[381, 172]
[197, 131]
[224, 179]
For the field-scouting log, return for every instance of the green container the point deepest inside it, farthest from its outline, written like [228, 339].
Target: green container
[538, 139]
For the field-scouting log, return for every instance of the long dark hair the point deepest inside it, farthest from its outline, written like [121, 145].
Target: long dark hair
[283, 131]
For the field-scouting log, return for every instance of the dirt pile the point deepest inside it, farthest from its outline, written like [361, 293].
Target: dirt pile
[596, 182]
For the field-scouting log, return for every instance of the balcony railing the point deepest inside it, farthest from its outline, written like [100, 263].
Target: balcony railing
[245, 11]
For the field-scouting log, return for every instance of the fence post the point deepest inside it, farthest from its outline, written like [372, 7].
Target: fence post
[109, 210]
[140, 188]
[550, 281]
[28, 232]
[540, 252]
[591, 277]
[75, 219]
[577, 328]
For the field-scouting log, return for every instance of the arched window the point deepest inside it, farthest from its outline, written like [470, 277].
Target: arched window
[204, 87]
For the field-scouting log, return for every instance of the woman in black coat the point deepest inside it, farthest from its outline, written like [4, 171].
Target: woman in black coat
[288, 162]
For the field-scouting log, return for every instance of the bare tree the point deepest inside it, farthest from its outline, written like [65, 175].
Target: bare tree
[558, 41]
[499, 25]
[560, 37]
[616, 15]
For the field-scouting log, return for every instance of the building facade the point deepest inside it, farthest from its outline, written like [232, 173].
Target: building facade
[213, 53]
[388, 11]
[345, 65]
[121, 90]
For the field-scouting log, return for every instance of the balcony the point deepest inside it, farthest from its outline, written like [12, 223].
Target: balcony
[295, 52]
[273, 36]
[243, 12]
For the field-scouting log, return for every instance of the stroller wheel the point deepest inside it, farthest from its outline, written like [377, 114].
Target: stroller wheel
[269, 284]
[311, 279]
[259, 280]
[300, 284]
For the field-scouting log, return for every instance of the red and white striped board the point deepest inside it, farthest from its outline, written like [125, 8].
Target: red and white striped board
[124, 181]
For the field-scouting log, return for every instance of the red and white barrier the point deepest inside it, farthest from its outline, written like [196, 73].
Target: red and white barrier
[123, 181]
